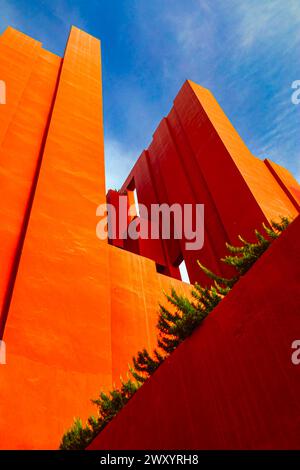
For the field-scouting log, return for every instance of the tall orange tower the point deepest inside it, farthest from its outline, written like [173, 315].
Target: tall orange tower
[74, 309]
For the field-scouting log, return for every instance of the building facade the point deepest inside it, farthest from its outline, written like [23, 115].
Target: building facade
[75, 309]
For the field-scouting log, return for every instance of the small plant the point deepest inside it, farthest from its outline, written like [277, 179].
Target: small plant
[77, 437]
[174, 326]
[243, 257]
[108, 404]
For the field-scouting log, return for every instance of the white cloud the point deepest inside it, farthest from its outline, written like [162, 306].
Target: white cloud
[267, 20]
[251, 44]
[118, 162]
[235, 48]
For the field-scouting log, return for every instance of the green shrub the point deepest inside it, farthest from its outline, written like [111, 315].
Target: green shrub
[108, 404]
[174, 326]
[77, 437]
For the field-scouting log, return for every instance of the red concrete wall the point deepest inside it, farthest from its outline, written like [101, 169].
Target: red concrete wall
[232, 384]
[196, 156]
[155, 249]
[75, 309]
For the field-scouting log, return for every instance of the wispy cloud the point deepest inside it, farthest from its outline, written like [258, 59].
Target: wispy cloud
[268, 21]
[246, 53]
[118, 162]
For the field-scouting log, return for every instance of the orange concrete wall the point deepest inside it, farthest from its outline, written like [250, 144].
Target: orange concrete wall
[286, 181]
[80, 308]
[136, 289]
[30, 74]
[77, 308]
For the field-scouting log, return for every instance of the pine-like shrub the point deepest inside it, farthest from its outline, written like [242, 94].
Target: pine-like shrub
[174, 326]
[108, 404]
[177, 323]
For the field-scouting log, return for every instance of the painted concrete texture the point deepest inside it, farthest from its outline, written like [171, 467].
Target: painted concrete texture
[74, 309]
[196, 156]
[80, 308]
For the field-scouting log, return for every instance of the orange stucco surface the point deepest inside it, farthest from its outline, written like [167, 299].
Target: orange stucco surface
[80, 308]
[30, 74]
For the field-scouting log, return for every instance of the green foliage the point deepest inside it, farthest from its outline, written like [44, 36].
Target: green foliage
[241, 258]
[177, 323]
[144, 364]
[174, 326]
[108, 404]
[77, 437]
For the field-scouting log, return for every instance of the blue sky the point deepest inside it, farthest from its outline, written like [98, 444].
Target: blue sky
[245, 52]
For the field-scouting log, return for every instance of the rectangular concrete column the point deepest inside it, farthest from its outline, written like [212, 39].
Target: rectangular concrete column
[58, 331]
[270, 198]
[30, 74]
